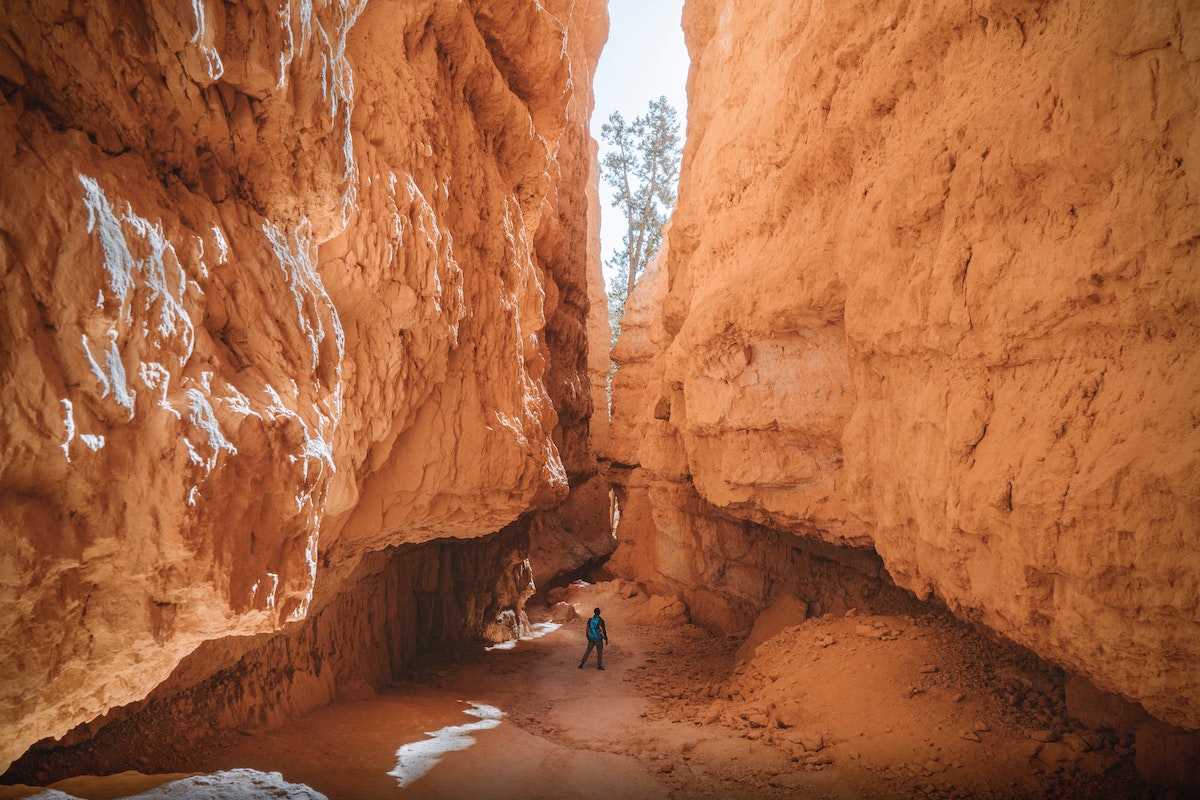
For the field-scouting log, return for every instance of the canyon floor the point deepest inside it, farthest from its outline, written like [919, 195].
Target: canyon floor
[904, 702]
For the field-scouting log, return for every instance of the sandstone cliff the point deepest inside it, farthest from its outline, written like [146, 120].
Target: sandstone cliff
[932, 289]
[397, 603]
[282, 287]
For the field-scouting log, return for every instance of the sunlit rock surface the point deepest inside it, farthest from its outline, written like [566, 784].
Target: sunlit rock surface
[725, 568]
[933, 286]
[282, 287]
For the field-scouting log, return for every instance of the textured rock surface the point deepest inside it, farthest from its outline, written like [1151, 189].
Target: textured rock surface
[281, 287]
[674, 540]
[933, 289]
[399, 602]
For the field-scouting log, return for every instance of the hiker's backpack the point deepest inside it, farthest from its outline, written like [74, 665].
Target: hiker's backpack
[593, 630]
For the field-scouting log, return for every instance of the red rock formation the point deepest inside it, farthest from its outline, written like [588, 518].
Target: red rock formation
[281, 288]
[399, 602]
[933, 289]
[725, 568]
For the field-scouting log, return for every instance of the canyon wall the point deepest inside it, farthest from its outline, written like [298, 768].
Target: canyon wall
[398, 603]
[931, 290]
[282, 287]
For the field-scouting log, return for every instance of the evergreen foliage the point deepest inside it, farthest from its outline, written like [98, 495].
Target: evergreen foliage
[642, 166]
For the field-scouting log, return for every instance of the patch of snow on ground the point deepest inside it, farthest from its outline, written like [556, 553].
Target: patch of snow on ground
[417, 758]
[536, 631]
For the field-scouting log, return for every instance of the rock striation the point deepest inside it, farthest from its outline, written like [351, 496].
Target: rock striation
[282, 287]
[932, 290]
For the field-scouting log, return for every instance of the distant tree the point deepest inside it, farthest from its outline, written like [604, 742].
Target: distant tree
[642, 166]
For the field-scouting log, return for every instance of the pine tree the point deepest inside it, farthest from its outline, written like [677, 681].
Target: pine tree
[642, 166]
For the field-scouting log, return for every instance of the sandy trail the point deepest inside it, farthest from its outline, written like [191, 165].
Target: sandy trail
[898, 703]
[566, 732]
[883, 705]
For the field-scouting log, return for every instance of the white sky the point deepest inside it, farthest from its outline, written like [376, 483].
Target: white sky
[644, 59]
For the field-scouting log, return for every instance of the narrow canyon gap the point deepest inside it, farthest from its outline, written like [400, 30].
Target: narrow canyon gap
[303, 346]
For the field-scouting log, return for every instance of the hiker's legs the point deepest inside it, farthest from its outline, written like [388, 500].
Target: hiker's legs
[588, 652]
[599, 655]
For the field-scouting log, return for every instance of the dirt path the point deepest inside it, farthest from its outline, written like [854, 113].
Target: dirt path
[902, 704]
[566, 732]
[856, 706]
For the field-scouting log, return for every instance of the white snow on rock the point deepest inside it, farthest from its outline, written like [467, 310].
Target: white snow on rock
[69, 425]
[234, 784]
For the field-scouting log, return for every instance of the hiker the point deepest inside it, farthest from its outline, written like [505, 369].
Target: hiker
[597, 636]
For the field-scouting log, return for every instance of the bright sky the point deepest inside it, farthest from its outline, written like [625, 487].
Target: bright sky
[644, 59]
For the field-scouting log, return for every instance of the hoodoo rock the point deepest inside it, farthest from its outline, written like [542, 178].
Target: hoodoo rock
[283, 290]
[932, 290]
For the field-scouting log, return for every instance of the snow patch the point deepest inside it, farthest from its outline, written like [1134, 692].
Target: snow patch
[97, 370]
[112, 374]
[116, 370]
[415, 760]
[337, 86]
[202, 39]
[117, 259]
[173, 319]
[310, 559]
[289, 50]
[536, 631]
[271, 594]
[238, 403]
[200, 263]
[92, 440]
[234, 784]
[308, 293]
[69, 424]
[315, 445]
[159, 277]
[447, 303]
[222, 250]
[156, 376]
[193, 453]
[200, 414]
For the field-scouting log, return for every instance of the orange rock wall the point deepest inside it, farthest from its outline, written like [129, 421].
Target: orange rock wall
[281, 287]
[398, 603]
[932, 288]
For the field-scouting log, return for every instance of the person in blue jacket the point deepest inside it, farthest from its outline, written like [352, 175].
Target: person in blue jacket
[597, 636]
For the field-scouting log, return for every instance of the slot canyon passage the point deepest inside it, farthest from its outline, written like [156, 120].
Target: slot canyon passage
[304, 363]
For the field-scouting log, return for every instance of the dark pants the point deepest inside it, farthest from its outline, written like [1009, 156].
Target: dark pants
[599, 653]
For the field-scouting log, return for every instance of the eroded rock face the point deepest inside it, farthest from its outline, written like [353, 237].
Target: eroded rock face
[399, 602]
[725, 568]
[281, 287]
[933, 290]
